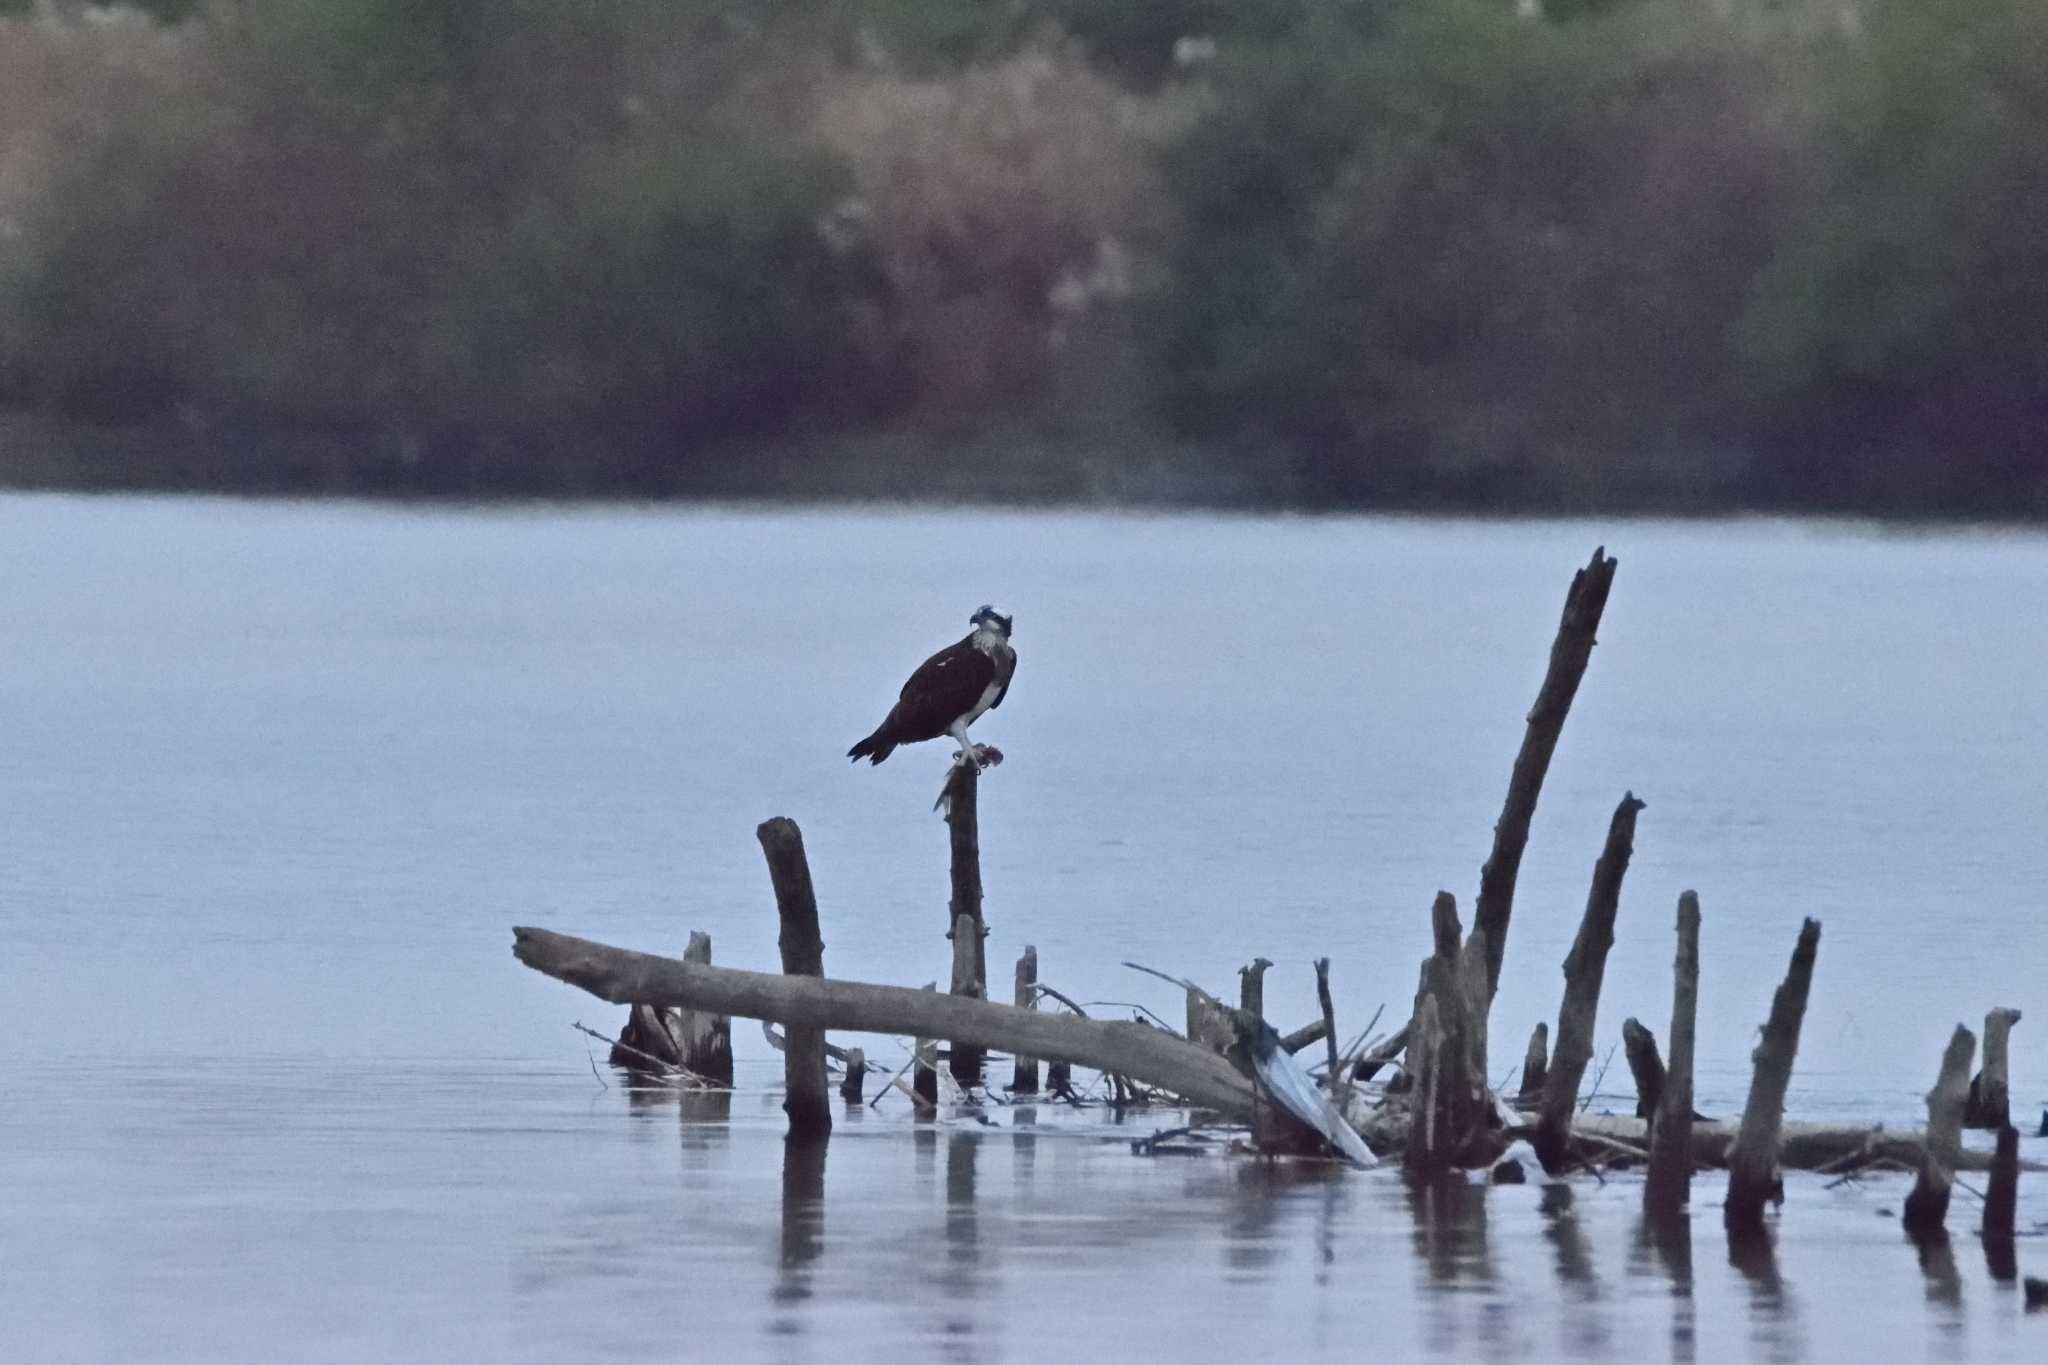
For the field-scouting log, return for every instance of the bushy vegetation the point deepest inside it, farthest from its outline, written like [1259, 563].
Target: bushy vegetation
[1644, 253]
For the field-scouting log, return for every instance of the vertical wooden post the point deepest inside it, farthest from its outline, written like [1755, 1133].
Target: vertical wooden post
[1024, 1075]
[1535, 1066]
[966, 1061]
[1753, 1156]
[803, 954]
[1251, 982]
[1336, 1083]
[924, 1077]
[970, 972]
[1569, 654]
[2001, 1200]
[1668, 1187]
[1426, 1138]
[706, 1039]
[1646, 1067]
[1585, 967]
[1927, 1206]
[856, 1074]
[1990, 1103]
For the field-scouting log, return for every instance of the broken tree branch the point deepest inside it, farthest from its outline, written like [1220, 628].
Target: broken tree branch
[1753, 1160]
[803, 955]
[1668, 1187]
[1151, 1055]
[1569, 654]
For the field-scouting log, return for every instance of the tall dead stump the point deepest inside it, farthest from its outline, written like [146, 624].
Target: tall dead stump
[1753, 1178]
[803, 954]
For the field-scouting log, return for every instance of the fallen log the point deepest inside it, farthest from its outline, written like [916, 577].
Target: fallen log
[1801, 1146]
[1754, 1159]
[1569, 654]
[1151, 1055]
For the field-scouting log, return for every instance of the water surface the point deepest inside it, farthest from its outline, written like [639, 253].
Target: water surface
[280, 778]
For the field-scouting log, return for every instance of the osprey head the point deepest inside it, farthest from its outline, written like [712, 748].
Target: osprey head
[988, 618]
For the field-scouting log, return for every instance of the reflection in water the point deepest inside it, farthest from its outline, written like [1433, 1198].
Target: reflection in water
[1944, 1283]
[803, 1229]
[1774, 1317]
[1666, 1240]
[960, 1283]
[1450, 1245]
[1585, 1327]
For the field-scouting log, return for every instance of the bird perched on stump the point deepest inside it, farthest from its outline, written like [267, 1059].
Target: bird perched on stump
[949, 692]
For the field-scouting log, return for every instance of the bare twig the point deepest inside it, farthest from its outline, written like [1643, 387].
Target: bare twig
[1598, 1077]
[670, 1068]
[1133, 1005]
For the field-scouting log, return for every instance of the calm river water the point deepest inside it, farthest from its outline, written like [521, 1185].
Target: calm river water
[279, 779]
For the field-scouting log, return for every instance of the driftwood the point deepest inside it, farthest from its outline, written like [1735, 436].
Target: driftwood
[1927, 1206]
[1990, 1103]
[1802, 1146]
[1753, 1160]
[1585, 967]
[1640, 1046]
[1251, 987]
[961, 803]
[1669, 1185]
[2001, 1200]
[1150, 1055]
[1569, 654]
[856, 1076]
[1386, 1051]
[1426, 1136]
[1329, 1022]
[803, 955]
[1535, 1066]
[1024, 1073]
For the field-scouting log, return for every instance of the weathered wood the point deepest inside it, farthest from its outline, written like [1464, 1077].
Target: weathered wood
[970, 973]
[1668, 1187]
[1926, 1207]
[1425, 1152]
[1753, 1160]
[1990, 1103]
[1569, 653]
[2001, 1198]
[1801, 1146]
[1251, 987]
[924, 1076]
[1153, 1056]
[856, 1076]
[1477, 1000]
[1391, 1047]
[647, 1042]
[1306, 1036]
[705, 1039]
[1024, 1074]
[1337, 1085]
[1640, 1046]
[1535, 1066]
[966, 1060]
[803, 955]
[1585, 967]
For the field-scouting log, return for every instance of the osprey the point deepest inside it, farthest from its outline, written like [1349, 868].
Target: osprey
[949, 692]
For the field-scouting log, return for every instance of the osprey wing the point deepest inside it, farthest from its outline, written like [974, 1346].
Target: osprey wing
[944, 688]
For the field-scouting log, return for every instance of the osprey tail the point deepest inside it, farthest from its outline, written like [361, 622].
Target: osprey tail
[874, 748]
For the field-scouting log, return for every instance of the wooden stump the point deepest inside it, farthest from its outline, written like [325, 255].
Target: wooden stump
[1990, 1103]
[803, 954]
[1585, 967]
[1251, 987]
[924, 1075]
[1646, 1067]
[1024, 1075]
[2001, 1200]
[1569, 653]
[706, 1039]
[1753, 1157]
[1452, 982]
[1926, 1207]
[1425, 1153]
[1535, 1067]
[1668, 1187]
[966, 1061]
[856, 1076]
